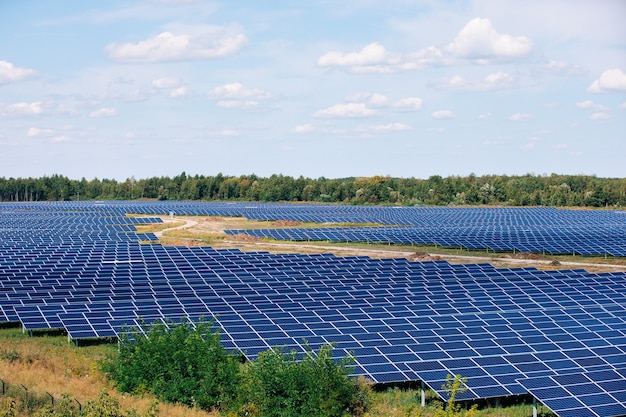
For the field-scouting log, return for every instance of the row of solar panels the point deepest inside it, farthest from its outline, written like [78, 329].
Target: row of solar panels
[543, 230]
[511, 331]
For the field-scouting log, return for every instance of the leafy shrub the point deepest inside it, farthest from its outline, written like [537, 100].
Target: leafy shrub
[177, 363]
[283, 385]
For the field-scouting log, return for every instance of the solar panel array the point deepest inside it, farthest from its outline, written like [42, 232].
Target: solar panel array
[559, 335]
[540, 230]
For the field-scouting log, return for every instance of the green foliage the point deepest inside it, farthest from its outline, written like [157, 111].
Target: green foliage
[525, 190]
[280, 384]
[454, 386]
[177, 363]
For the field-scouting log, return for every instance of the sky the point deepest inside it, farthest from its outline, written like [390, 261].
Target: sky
[404, 88]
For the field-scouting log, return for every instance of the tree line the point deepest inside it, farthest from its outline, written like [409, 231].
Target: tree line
[526, 190]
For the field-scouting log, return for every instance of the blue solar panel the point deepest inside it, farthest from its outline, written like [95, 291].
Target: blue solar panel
[502, 328]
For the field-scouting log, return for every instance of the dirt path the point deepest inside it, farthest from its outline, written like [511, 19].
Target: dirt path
[197, 226]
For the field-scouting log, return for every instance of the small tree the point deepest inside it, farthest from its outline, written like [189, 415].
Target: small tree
[177, 363]
[454, 386]
[281, 384]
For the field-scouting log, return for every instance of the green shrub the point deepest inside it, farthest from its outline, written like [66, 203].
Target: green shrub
[283, 385]
[178, 363]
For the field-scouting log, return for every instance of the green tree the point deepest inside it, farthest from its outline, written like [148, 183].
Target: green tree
[178, 363]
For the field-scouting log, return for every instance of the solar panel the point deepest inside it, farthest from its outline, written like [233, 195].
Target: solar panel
[507, 330]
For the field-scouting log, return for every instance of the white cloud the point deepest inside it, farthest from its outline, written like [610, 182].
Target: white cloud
[35, 132]
[203, 42]
[179, 92]
[479, 40]
[9, 73]
[238, 104]
[409, 103]
[378, 99]
[165, 82]
[496, 81]
[442, 114]
[103, 112]
[623, 105]
[238, 90]
[228, 133]
[588, 104]
[346, 110]
[562, 68]
[485, 116]
[24, 109]
[528, 146]
[610, 80]
[391, 127]
[600, 116]
[371, 56]
[520, 117]
[61, 139]
[306, 128]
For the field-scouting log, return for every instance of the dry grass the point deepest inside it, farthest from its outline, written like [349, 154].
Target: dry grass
[51, 364]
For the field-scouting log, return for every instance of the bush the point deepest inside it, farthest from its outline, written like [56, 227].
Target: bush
[282, 384]
[177, 363]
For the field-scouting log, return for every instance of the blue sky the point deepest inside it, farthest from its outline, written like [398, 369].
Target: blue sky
[406, 88]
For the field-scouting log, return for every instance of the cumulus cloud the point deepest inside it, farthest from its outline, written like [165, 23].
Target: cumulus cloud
[238, 90]
[35, 132]
[442, 114]
[610, 80]
[306, 128]
[391, 127]
[562, 68]
[409, 103]
[23, 109]
[496, 81]
[588, 104]
[373, 58]
[9, 73]
[479, 40]
[103, 112]
[238, 104]
[165, 82]
[179, 92]
[203, 42]
[520, 117]
[600, 116]
[346, 110]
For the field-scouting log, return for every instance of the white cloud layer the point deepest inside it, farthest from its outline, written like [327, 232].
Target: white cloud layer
[9, 73]
[588, 104]
[610, 80]
[442, 114]
[23, 109]
[520, 117]
[346, 110]
[103, 112]
[35, 132]
[496, 81]
[205, 43]
[166, 82]
[237, 91]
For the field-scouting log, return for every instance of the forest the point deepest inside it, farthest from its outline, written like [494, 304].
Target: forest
[526, 190]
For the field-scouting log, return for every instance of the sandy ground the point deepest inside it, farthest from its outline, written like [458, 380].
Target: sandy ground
[197, 230]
